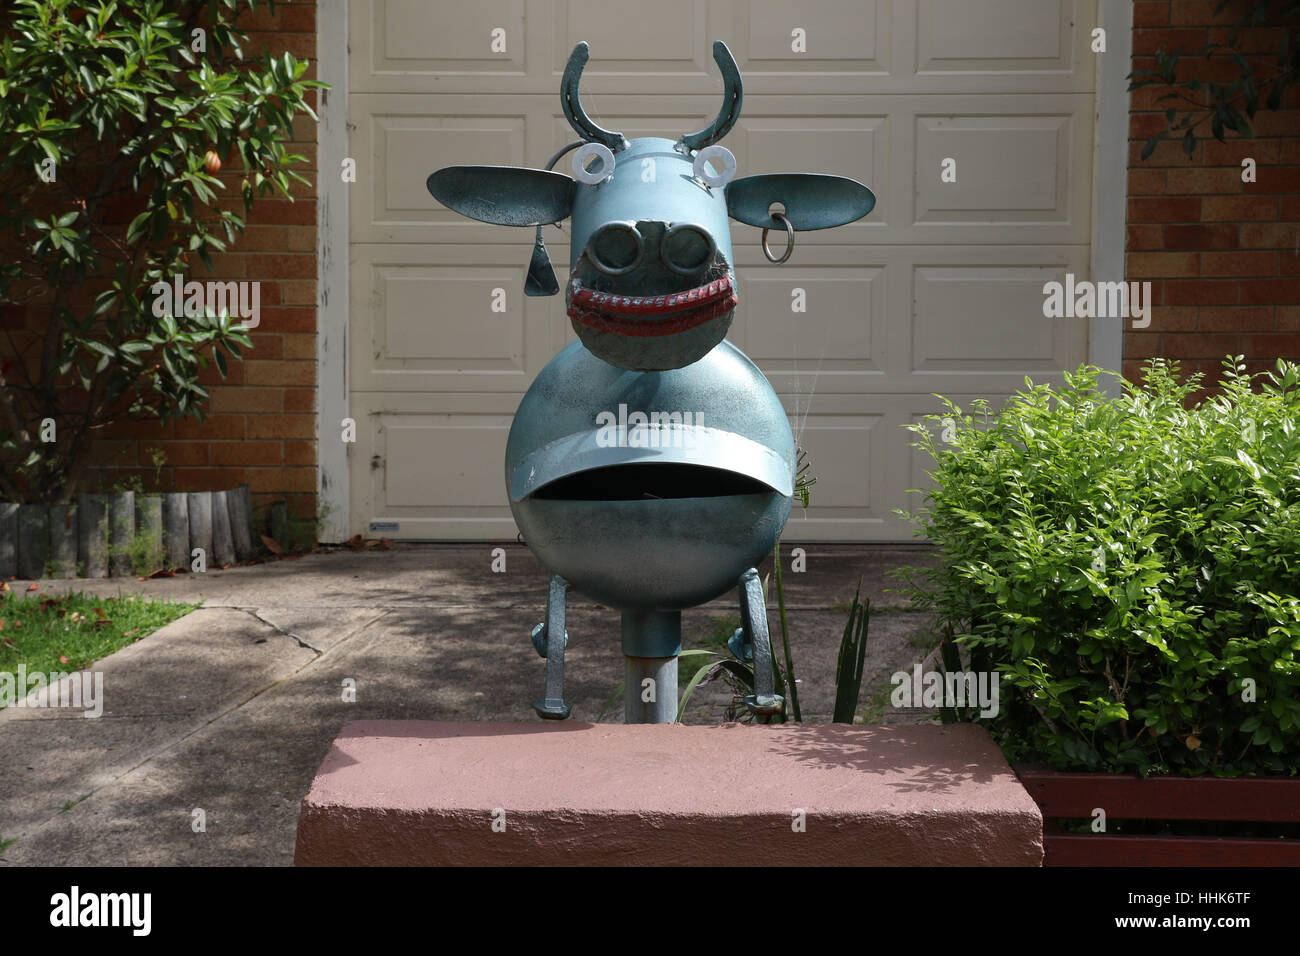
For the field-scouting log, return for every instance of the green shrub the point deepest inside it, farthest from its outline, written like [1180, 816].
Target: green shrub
[1130, 566]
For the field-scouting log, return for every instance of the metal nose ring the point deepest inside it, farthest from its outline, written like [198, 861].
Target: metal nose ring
[789, 239]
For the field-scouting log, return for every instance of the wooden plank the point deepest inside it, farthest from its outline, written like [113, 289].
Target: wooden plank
[121, 531]
[63, 540]
[223, 542]
[92, 535]
[176, 529]
[33, 541]
[1081, 849]
[1123, 797]
[8, 539]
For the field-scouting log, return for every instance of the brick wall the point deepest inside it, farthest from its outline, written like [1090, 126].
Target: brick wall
[261, 425]
[1223, 255]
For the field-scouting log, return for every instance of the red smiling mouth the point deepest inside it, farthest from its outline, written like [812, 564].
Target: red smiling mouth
[650, 315]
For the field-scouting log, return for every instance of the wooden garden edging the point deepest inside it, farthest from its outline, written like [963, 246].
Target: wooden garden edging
[1062, 796]
[92, 537]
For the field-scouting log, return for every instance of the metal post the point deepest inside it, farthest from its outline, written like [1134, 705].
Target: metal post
[651, 642]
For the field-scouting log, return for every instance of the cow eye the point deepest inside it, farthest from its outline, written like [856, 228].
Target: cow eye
[615, 247]
[687, 248]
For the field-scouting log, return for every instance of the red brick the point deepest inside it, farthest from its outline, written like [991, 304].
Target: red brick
[1239, 208]
[1142, 345]
[266, 345]
[260, 238]
[1159, 265]
[1172, 318]
[281, 480]
[271, 265]
[1143, 237]
[246, 399]
[206, 479]
[281, 373]
[1147, 182]
[248, 453]
[1165, 209]
[1276, 122]
[289, 319]
[1166, 153]
[1270, 347]
[1201, 236]
[1199, 182]
[1151, 13]
[1233, 150]
[1288, 317]
[1239, 264]
[300, 453]
[1237, 319]
[282, 212]
[281, 426]
[179, 453]
[300, 346]
[1181, 345]
[1289, 263]
[1148, 41]
[1271, 291]
[1290, 211]
[1201, 292]
[216, 426]
[1255, 40]
[1276, 179]
[1198, 13]
[299, 399]
[1281, 235]
[298, 291]
[1145, 125]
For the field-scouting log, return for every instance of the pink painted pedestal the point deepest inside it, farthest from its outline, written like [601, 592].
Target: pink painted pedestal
[424, 793]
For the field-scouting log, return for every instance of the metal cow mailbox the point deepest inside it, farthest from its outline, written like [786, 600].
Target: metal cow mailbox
[650, 465]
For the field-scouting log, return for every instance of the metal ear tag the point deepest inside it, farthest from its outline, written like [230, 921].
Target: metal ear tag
[541, 276]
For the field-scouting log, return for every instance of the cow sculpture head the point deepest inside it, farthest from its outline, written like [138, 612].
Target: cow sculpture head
[652, 282]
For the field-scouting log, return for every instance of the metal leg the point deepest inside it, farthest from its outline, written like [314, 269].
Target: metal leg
[553, 705]
[651, 642]
[764, 703]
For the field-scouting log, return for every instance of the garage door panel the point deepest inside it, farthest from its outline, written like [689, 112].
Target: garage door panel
[843, 36]
[396, 42]
[1005, 36]
[983, 319]
[1013, 168]
[443, 318]
[666, 36]
[802, 317]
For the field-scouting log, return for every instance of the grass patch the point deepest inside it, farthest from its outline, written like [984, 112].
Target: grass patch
[68, 632]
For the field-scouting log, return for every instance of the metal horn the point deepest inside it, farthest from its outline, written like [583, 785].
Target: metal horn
[573, 110]
[732, 94]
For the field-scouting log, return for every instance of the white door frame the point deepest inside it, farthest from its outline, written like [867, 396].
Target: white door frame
[333, 246]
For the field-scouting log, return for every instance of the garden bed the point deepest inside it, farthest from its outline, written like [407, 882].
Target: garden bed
[1267, 801]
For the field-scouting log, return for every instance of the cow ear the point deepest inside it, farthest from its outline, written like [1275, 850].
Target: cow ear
[811, 200]
[505, 195]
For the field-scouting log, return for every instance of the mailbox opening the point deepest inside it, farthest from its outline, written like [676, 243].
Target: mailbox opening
[645, 481]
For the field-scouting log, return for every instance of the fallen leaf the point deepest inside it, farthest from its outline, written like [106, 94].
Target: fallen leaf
[354, 541]
[130, 632]
[46, 604]
[373, 543]
[1193, 742]
[33, 587]
[63, 659]
[4, 585]
[162, 573]
[385, 543]
[8, 642]
[272, 545]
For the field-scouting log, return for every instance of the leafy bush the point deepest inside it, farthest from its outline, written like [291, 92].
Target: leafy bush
[115, 118]
[1130, 566]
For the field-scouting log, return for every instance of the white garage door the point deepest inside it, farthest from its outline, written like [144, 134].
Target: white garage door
[938, 290]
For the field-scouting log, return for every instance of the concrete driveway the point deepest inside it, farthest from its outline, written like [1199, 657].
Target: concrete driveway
[224, 715]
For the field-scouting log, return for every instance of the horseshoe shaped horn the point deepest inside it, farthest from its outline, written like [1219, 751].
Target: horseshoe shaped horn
[572, 105]
[732, 96]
